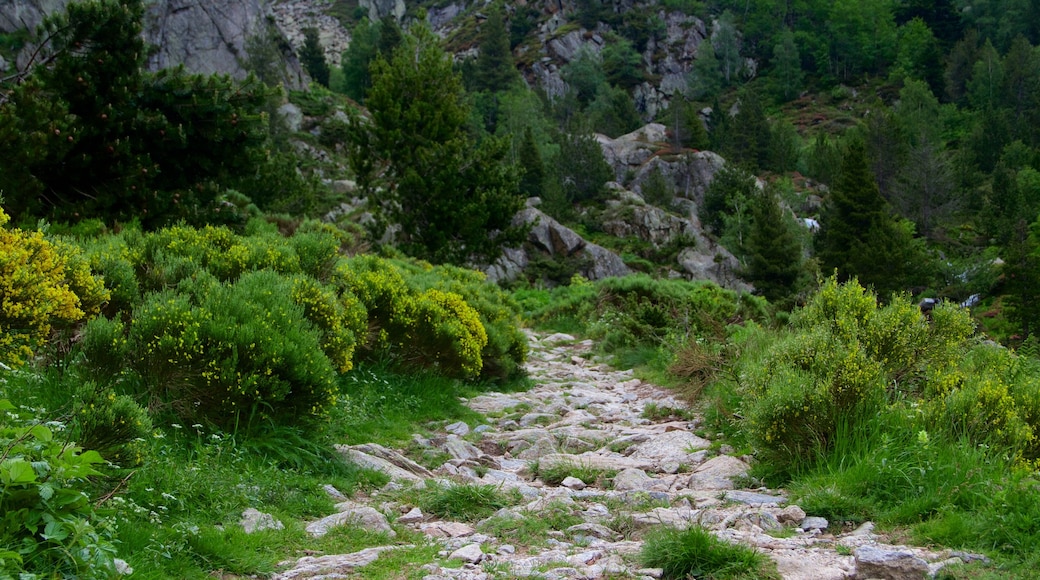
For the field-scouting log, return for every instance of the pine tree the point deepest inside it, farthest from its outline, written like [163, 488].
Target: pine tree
[494, 71]
[313, 57]
[533, 178]
[453, 200]
[858, 233]
[787, 75]
[94, 135]
[705, 79]
[750, 143]
[363, 48]
[774, 255]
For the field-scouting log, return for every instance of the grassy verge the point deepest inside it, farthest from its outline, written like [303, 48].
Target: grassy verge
[176, 515]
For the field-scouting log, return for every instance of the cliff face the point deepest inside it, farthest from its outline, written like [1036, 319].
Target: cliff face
[206, 36]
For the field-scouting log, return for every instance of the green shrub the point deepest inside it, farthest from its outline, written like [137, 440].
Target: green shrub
[854, 357]
[341, 320]
[504, 353]
[228, 353]
[44, 286]
[993, 400]
[113, 425]
[48, 526]
[415, 326]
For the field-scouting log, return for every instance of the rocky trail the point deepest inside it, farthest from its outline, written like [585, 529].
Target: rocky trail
[585, 417]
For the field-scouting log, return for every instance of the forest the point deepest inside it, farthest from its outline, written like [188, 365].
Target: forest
[195, 310]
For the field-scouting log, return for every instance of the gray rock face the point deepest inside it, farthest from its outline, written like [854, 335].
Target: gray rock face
[206, 36]
[379, 9]
[550, 237]
[209, 36]
[15, 14]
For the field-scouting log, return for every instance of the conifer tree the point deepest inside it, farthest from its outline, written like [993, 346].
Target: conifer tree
[494, 71]
[313, 57]
[773, 254]
[858, 233]
[363, 48]
[533, 177]
[750, 142]
[93, 135]
[453, 200]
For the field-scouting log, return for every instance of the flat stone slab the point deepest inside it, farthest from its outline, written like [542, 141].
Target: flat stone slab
[755, 499]
[718, 473]
[327, 566]
[671, 450]
[493, 403]
[378, 458]
[363, 517]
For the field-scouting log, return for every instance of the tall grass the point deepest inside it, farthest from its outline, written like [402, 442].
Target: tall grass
[696, 553]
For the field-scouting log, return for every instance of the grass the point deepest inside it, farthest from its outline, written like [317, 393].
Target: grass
[656, 412]
[532, 529]
[468, 503]
[695, 552]
[555, 473]
[387, 407]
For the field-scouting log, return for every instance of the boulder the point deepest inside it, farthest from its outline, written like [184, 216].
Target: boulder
[887, 564]
[327, 566]
[360, 516]
[254, 520]
[550, 237]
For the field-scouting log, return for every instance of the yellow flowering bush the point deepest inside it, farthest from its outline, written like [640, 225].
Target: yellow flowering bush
[341, 320]
[43, 286]
[859, 357]
[226, 354]
[424, 327]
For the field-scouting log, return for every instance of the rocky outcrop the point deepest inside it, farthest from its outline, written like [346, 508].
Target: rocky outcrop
[293, 18]
[550, 238]
[211, 36]
[641, 152]
[379, 9]
[206, 36]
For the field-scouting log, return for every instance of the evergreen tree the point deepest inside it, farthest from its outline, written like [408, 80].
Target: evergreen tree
[363, 48]
[726, 41]
[453, 200]
[858, 233]
[959, 63]
[730, 189]
[312, 56]
[1022, 278]
[613, 113]
[390, 37]
[494, 71]
[533, 178]
[584, 75]
[773, 254]
[751, 136]
[93, 135]
[622, 64]
[705, 79]
[581, 170]
[787, 76]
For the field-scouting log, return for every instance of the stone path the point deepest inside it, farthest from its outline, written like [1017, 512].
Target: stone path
[649, 473]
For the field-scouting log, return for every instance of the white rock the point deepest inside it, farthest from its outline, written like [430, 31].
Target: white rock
[573, 483]
[471, 554]
[254, 521]
[365, 517]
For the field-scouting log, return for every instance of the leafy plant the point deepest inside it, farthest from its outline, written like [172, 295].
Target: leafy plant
[48, 524]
